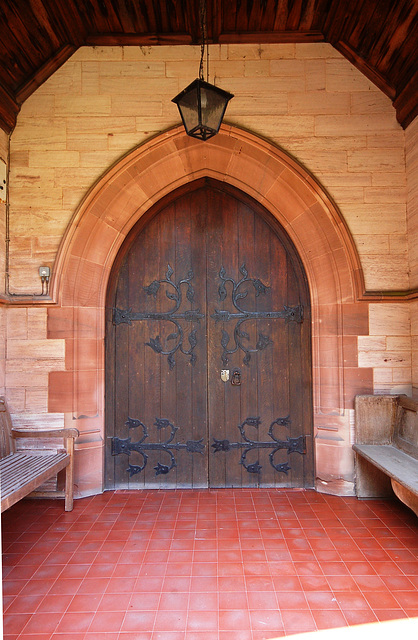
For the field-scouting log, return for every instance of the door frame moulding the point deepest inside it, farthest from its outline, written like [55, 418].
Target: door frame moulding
[127, 191]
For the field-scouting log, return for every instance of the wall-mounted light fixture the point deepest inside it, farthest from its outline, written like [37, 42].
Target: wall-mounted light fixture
[44, 274]
[202, 105]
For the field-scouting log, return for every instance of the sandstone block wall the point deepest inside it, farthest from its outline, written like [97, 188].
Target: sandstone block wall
[307, 99]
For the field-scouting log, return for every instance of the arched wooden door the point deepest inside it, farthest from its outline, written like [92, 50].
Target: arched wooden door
[208, 349]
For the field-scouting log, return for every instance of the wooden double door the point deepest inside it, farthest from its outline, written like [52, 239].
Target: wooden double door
[208, 349]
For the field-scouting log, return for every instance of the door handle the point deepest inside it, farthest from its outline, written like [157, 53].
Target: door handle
[236, 377]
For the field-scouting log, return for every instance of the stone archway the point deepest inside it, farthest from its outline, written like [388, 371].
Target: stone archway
[293, 197]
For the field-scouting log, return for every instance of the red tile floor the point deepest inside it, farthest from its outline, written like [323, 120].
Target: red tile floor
[205, 565]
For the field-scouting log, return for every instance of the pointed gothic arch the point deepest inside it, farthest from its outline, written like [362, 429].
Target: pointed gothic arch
[293, 196]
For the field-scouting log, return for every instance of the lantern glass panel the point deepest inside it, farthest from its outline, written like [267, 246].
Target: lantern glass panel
[213, 106]
[189, 108]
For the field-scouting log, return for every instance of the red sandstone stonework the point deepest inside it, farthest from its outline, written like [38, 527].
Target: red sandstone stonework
[313, 223]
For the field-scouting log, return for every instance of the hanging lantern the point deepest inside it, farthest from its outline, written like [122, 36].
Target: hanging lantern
[201, 104]
[202, 107]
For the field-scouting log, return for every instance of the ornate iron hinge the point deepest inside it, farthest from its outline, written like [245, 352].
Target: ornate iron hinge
[289, 314]
[174, 293]
[126, 446]
[292, 445]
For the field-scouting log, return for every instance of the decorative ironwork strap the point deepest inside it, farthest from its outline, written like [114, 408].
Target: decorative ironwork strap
[174, 293]
[126, 446]
[289, 314]
[292, 445]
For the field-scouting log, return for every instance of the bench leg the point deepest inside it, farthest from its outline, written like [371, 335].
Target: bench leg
[370, 481]
[405, 496]
[69, 477]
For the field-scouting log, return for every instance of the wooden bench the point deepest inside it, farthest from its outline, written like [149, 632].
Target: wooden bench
[21, 472]
[387, 448]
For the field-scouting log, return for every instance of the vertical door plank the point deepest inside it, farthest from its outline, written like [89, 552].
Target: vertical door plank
[168, 237]
[143, 362]
[217, 255]
[266, 375]
[280, 381]
[247, 258]
[198, 372]
[121, 377]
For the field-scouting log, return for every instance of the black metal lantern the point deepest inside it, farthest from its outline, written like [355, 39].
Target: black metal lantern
[202, 107]
[201, 104]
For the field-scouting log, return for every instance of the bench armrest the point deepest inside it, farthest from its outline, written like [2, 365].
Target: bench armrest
[49, 433]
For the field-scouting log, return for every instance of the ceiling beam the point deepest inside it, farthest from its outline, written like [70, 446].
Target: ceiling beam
[406, 104]
[138, 39]
[9, 109]
[270, 37]
[44, 72]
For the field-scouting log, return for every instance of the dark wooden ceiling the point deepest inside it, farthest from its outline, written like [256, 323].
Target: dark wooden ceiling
[380, 37]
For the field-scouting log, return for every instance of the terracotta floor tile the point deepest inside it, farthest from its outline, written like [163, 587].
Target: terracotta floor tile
[119, 585]
[231, 583]
[389, 614]
[287, 583]
[369, 583]
[292, 600]
[329, 619]
[138, 620]
[23, 605]
[93, 586]
[169, 584]
[54, 604]
[234, 635]
[400, 583]
[349, 600]
[308, 569]
[318, 600]
[234, 619]
[198, 583]
[176, 569]
[334, 568]
[67, 586]
[75, 571]
[262, 600]
[362, 568]
[359, 616]
[206, 621]
[266, 619]
[84, 603]
[259, 583]
[409, 568]
[200, 635]
[313, 583]
[15, 623]
[298, 621]
[75, 622]
[135, 602]
[107, 621]
[173, 601]
[205, 565]
[406, 599]
[170, 620]
[204, 601]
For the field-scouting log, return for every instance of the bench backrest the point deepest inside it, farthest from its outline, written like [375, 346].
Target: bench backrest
[7, 444]
[384, 419]
[405, 433]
